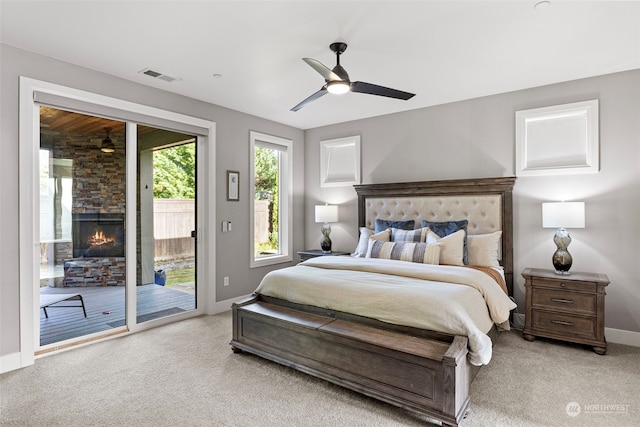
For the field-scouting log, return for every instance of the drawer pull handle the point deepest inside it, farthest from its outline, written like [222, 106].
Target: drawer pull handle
[563, 301]
[562, 322]
[562, 285]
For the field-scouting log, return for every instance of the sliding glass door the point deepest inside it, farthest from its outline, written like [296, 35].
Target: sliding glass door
[83, 261]
[84, 254]
[167, 223]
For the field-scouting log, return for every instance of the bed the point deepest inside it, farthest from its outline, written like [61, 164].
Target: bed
[424, 365]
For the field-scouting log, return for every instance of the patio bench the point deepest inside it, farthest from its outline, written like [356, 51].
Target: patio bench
[47, 301]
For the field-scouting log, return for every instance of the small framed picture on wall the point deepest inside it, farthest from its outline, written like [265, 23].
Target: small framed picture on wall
[233, 186]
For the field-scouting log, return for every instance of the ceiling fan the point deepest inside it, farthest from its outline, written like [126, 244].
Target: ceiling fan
[337, 81]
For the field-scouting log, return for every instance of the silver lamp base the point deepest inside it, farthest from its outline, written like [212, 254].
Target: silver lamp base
[325, 242]
[562, 259]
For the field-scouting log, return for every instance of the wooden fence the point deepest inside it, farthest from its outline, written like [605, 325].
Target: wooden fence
[173, 222]
[261, 221]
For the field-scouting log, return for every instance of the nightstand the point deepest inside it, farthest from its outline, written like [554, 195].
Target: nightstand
[568, 308]
[312, 253]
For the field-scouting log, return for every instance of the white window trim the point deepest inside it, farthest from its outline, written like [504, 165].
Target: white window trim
[285, 207]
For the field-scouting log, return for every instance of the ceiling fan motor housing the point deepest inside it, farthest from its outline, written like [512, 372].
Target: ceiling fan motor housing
[338, 47]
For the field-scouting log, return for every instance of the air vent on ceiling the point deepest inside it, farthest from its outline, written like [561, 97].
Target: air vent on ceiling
[158, 75]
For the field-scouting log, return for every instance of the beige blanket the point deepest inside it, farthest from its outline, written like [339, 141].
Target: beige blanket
[450, 299]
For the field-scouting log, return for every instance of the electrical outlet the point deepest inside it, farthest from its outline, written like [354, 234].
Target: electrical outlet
[226, 281]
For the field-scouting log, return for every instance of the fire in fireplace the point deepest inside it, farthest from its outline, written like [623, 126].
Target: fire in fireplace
[98, 235]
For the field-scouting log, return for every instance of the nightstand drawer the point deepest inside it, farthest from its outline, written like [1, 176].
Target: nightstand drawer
[569, 302]
[568, 284]
[564, 323]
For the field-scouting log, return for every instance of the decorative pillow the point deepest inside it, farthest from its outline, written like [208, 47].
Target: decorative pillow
[451, 246]
[404, 251]
[417, 235]
[484, 249]
[383, 224]
[445, 228]
[365, 235]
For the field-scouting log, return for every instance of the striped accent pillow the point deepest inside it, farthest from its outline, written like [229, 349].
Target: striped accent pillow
[399, 235]
[405, 251]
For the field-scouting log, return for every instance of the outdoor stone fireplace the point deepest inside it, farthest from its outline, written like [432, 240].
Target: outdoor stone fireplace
[98, 235]
[97, 212]
[98, 251]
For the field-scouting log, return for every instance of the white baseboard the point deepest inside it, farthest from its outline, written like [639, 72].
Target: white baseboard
[222, 306]
[10, 362]
[620, 336]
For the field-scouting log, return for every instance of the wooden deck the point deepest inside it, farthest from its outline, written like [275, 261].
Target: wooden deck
[106, 309]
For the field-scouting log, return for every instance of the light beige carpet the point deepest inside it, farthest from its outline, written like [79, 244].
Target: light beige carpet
[185, 374]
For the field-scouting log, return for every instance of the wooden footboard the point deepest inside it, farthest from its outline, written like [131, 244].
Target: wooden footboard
[413, 369]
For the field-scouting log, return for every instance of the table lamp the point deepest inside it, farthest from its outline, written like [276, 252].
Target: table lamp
[326, 214]
[562, 215]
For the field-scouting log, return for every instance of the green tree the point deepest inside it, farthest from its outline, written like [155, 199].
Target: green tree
[266, 186]
[174, 172]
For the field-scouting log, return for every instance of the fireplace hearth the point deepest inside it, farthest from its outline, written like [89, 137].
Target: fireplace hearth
[98, 235]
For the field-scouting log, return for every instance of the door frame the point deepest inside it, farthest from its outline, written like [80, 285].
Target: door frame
[30, 210]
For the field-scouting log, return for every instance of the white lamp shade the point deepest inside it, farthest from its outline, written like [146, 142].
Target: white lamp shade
[563, 214]
[326, 213]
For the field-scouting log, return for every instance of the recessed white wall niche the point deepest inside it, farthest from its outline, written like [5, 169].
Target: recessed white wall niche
[340, 161]
[558, 140]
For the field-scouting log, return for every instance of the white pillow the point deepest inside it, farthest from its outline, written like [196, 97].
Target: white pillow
[365, 235]
[423, 253]
[483, 249]
[451, 246]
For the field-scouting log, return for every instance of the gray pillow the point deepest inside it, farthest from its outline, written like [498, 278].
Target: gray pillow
[383, 224]
[444, 228]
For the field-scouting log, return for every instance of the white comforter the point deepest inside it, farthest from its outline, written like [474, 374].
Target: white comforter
[450, 299]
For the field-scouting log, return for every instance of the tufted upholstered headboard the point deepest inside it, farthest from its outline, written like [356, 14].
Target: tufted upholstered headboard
[485, 202]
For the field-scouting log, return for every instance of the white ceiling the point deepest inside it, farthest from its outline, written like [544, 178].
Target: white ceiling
[444, 51]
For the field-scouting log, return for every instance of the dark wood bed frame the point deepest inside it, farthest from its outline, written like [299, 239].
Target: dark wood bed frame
[419, 370]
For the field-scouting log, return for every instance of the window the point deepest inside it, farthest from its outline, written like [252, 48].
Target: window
[270, 190]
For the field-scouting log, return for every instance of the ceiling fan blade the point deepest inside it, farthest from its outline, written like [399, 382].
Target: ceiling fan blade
[313, 97]
[324, 71]
[371, 89]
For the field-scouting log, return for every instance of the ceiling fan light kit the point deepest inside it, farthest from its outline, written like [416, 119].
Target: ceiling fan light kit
[337, 81]
[338, 87]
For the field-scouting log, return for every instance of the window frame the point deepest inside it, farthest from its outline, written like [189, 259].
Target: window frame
[285, 202]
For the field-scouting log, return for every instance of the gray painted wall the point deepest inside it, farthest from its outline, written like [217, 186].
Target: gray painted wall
[232, 135]
[467, 139]
[476, 138]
